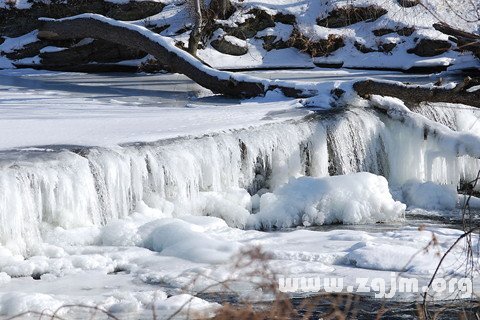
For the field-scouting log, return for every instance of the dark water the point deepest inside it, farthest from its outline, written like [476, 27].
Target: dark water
[349, 306]
[365, 308]
[416, 218]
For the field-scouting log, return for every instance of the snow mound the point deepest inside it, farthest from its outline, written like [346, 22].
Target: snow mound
[350, 199]
[429, 195]
[15, 303]
[173, 237]
[391, 257]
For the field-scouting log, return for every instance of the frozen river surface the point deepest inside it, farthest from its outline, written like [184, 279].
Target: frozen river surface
[48, 108]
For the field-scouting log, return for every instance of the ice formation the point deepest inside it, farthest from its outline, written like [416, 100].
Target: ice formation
[351, 199]
[160, 214]
[214, 175]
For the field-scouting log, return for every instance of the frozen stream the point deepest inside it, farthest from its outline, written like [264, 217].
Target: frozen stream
[119, 190]
[89, 109]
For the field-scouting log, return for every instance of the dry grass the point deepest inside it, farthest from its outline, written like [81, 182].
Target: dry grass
[315, 48]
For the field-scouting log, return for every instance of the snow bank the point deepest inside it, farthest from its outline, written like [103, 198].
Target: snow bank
[187, 302]
[473, 202]
[15, 303]
[429, 195]
[171, 237]
[187, 241]
[350, 199]
[392, 257]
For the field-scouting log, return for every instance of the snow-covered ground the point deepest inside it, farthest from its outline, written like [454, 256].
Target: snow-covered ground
[57, 109]
[42, 108]
[417, 20]
[139, 227]
[131, 264]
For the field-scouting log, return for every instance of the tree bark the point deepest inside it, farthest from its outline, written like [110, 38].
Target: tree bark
[465, 41]
[196, 33]
[413, 95]
[165, 50]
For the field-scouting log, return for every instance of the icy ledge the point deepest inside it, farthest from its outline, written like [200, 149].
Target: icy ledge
[222, 175]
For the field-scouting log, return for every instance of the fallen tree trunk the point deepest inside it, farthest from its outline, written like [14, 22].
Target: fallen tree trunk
[164, 49]
[465, 41]
[414, 94]
[229, 83]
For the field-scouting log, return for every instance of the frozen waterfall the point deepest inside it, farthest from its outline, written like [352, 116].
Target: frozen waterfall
[214, 174]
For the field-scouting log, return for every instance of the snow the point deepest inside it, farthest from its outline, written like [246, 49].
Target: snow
[169, 45]
[236, 41]
[12, 44]
[177, 15]
[186, 241]
[184, 252]
[50, 176]
[147, 224]
[15, 303]
[473, 202]
[351, 199]
[5, 63]
[134, 193]
[459, 143]
[42, 108]
[51, 49]
[89, 112]
[473, 89]
[429, 195]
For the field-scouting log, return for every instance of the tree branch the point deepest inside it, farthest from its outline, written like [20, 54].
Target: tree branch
[414, 94]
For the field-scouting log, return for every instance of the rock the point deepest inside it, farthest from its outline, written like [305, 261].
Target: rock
[382, 31]
[387, 47]
[32, 49]
[408, 3]
[98, 51]
[259, 22]
[285, 18]
[152, 65]
[232, 48]
[269, 43]
[430, 47]
[158, 29]
[28, 50]
[220, 9]
[17, 22]
[383, 47]
[405, 31]
[345, 16]
[317, 48]
[251, 26]
[363, 48]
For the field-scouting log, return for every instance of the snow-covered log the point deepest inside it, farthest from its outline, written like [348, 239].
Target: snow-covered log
[164, 49]
[229, 83]
[414, 94]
